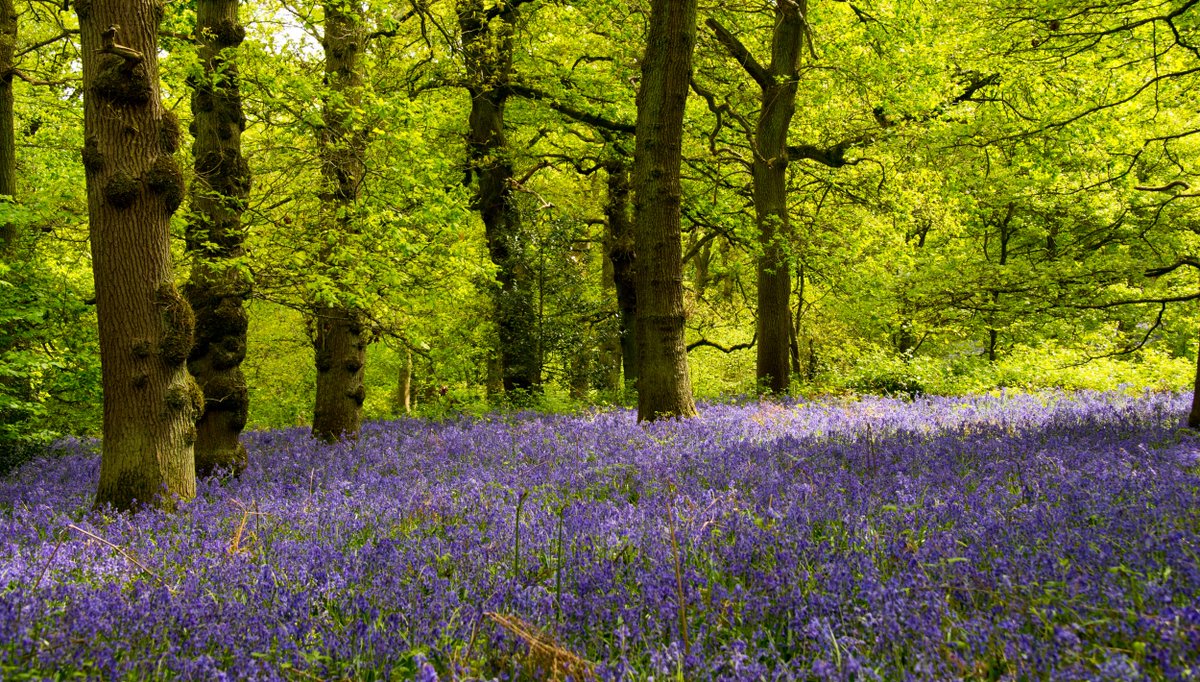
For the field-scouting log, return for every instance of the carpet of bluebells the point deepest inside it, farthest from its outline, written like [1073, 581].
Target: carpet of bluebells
[1005, 537]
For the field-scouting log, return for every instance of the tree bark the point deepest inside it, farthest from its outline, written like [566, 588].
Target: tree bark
[8, 145]
[133, 187]
[623, 259]
[217, 289]
[339, 343]
[488, 49]
[778, 84]
[664, 387]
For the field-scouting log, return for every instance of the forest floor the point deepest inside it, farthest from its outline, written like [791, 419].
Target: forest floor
[1054, 536]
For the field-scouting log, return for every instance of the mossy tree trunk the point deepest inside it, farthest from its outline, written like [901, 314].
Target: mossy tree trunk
[133, 187]
[339, 339]
[778, 83]
[623, 259]
[217, 289]
[488, 49]
[664, 386]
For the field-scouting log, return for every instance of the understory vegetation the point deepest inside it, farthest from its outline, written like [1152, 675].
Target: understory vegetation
[1006, 536]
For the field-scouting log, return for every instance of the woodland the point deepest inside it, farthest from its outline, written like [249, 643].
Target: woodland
[527, 339]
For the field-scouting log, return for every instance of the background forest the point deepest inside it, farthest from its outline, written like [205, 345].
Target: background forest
[972, 195]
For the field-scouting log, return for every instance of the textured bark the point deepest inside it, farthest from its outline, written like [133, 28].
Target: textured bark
[488, 49]
[215, 237]
[8, 147]
[778, 83]
[133, 187]
[339, 343]
[622, 257]
[664, 387]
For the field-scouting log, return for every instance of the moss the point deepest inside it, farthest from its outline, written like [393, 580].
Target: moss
[142, 349]
[225, 390]
[178, 324]
[202, 99]
[177, 398]
[121, 190]
[228, 33]
[93, 160]
[169, 133]
[166, 180]
[121, 82]
[229, 353]
[324, 360]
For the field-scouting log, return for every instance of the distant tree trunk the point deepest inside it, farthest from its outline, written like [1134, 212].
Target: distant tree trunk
[778, 83]
[1005, 234]
[216, 290]
[488, 48]
[133, 187]
[664, 387]
[403, 402]
[338, 339]
[623, 259]
[1193, 420]
[8, 145]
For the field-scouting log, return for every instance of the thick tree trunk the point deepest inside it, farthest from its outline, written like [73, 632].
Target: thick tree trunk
[340, 353]
[133, 187]
[488, 48]
[664, 387]
[216, 290]
[624, 273]
[338, 340]
[8, 146]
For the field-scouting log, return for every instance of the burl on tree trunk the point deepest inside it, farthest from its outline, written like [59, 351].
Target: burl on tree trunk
[133, 187]
[664, 387]
[338, 340]
[217, 289]
[487, 50]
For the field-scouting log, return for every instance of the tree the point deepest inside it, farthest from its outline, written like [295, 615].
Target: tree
[487, 40]
[218, 287]
[339, 339]
[133, 187]
[664, 386]
[778, 82]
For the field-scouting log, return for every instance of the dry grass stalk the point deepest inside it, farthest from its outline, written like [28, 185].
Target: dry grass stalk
[544, 653]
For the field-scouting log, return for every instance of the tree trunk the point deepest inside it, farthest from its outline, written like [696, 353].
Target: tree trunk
[403, 402]
[8, 145]
[133, 187]
[488, 48]
[340, 352]
[778, 83]
[339, 343]
[664, 387]
[216, 289]
[623, 259]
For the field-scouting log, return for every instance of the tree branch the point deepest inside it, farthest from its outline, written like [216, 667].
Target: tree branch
[709, 344]
[739, 52]
[585, 117]
[1186, 260]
